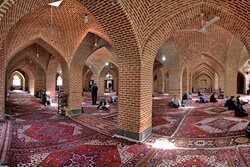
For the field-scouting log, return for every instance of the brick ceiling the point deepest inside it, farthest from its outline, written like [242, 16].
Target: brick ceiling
[141, 24]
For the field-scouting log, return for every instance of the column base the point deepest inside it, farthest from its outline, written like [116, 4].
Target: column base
[75, 111]
[133, 135]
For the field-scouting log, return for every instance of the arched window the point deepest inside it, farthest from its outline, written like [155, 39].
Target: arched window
[16, 81]
[59, 81]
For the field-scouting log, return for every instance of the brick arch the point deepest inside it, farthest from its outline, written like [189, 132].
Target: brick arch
[166, 28]
[239, 88]
[87, 75]
[100, 56]
[30, 74]
[244, 57]
[113, 71]
[48, 47]
[21, 77]
[200, 76]
[41, 10]
[29, 53]
[31, 78]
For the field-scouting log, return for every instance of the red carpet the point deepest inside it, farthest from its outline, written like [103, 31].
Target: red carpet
[100, 125]
[40, 137]
[192, 158]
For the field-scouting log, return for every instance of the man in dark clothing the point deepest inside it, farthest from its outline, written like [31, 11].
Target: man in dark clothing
[230, 104]
[103, 105]
[94, 90]
[212, 98]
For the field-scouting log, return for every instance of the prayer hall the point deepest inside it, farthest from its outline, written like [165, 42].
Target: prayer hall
[110, 83]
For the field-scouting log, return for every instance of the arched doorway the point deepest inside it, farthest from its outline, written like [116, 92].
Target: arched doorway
[240, 83]
[16, 81]
[109, 82]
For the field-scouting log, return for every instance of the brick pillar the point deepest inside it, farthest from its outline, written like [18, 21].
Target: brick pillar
[184, 82]
[100, 83]
[2, 86]
[51, 77]
[75, 90]
[231, 67]
[134, 99]
[76, 65]
[39, 82]
[175, 75]
[230, 82]
[160, 82]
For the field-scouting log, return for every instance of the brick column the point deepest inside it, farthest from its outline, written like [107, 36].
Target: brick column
[231, 67]
[51, 77]
[100, 83]
[160, 82]
[135, 98]
[184, 82]
[77, 62]
[2, 86]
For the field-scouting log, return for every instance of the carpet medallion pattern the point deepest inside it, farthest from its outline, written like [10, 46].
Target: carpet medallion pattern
[165, 125]
[193, 158]
[205, 127]
[206, 135]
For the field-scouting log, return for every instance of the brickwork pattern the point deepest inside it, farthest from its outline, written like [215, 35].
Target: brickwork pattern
[136, 38]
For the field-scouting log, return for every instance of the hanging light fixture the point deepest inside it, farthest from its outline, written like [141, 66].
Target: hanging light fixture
[107, 63]
[96, 43]
[53, 4]
[86, 19]
[163, 58]
[37, 53]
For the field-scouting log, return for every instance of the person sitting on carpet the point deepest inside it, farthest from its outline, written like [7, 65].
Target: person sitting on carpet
[184, 99]
[103, 105]
[225, 100]
[213, 99]
[240, 102]
[175, 102]
[113, 99]
[248, 130]
[239, 110]
[230, 104]
[189, 96]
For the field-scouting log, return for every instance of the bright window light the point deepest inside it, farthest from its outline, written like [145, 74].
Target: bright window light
[164, 144]
[16, 81]
[163, 58]
[59, 81]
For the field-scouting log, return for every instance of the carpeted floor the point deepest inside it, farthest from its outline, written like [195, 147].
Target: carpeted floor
[196, 135]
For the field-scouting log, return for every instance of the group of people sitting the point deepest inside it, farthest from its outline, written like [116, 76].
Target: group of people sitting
[237, 106]
[103, 105]
[176, 102]
[203, 99]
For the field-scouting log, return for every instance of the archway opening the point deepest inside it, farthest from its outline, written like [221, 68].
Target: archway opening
[240, 83]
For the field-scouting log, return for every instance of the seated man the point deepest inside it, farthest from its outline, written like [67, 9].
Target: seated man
[240, 111]
[212, 98]
[113, 99]
[184, 99]
[189, 96]
[248, 130]
[175, 102]
[230, 104]
[103, 105]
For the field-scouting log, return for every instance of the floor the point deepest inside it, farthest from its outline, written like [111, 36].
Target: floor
[195, 135]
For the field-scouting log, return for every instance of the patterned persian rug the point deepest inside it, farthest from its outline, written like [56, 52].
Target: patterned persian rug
[98, 124]
[205, 127]
[191, 158]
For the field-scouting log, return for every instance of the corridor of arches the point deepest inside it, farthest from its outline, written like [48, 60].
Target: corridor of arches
[142, 53]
